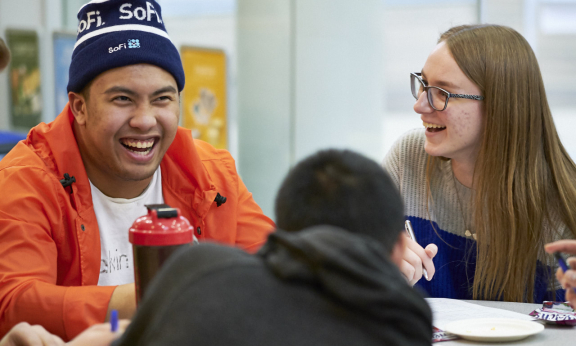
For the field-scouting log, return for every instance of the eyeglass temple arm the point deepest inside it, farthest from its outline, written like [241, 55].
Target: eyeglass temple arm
[465, 96]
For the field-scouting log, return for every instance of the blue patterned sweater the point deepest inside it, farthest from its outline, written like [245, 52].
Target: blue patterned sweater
[451, 214]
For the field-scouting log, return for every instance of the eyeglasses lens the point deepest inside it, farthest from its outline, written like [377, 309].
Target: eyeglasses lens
[437, 98]
[416, 86]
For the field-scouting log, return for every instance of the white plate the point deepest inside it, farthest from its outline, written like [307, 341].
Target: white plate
[494, 329]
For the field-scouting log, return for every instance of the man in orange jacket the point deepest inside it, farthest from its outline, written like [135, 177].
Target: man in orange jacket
[71, 190]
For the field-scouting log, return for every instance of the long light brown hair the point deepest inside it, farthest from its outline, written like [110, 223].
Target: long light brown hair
[523, 177]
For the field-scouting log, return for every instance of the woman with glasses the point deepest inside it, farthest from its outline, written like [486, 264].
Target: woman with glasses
[487, 181]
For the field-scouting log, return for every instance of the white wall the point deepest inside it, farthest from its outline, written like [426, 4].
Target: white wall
[310, 77]
[265, 96]
[339, 77]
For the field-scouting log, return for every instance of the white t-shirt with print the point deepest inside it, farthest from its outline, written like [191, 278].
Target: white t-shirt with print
[115, 217]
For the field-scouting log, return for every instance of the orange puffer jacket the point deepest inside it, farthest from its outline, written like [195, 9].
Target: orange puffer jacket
[49, 238]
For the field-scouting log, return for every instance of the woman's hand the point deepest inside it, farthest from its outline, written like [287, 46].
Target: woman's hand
[567, 279]
[415, 256]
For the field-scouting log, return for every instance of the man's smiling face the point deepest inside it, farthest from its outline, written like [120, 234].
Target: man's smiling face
[124, 126]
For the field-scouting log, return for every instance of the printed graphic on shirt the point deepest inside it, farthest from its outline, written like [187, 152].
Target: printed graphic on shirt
[115, 262]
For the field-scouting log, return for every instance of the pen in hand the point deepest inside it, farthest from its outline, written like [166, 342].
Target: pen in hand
[410, 232]
[562, 264]
[114, 321]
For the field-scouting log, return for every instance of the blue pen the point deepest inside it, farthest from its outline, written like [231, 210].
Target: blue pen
[562, 264]
[114, 320]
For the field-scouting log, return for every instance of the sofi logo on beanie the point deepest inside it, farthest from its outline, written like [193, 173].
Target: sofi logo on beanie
[139, 13]
[132, 43]
[93, 19]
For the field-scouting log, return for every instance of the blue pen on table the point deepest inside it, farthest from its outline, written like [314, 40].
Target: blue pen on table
[410, 231]
[562, 264]
[114, 321]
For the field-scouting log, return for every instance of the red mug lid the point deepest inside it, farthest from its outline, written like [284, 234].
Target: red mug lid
[162, 226]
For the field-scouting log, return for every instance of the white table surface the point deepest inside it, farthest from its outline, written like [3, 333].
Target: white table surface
[551, 336]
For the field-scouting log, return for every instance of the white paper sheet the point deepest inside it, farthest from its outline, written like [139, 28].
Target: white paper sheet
[445, 311]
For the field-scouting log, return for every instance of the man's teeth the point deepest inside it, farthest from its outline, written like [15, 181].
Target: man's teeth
[434, 126]
[138, 144]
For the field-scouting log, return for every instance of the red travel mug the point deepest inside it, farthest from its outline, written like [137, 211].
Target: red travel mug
[154, 238]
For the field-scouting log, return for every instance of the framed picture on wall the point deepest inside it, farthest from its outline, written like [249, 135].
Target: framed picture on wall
[204, 95]
[24, 77]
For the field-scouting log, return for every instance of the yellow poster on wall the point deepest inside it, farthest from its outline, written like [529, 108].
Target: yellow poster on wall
[204, 95]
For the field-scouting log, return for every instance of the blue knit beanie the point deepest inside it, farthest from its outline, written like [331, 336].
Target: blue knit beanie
[116, 33]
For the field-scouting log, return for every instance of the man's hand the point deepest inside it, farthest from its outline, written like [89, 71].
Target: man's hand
[124, 300]
[414, 258]
[99, 335]
[567, 279]
[24, 334]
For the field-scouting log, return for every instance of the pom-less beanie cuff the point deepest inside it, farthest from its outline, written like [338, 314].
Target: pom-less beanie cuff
[116, 33]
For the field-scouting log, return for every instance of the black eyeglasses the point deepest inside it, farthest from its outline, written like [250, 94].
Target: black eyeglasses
[437, 97]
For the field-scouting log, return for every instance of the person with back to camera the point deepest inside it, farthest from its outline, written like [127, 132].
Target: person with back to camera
[488, 180]
[72, 189]
[329, 276]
